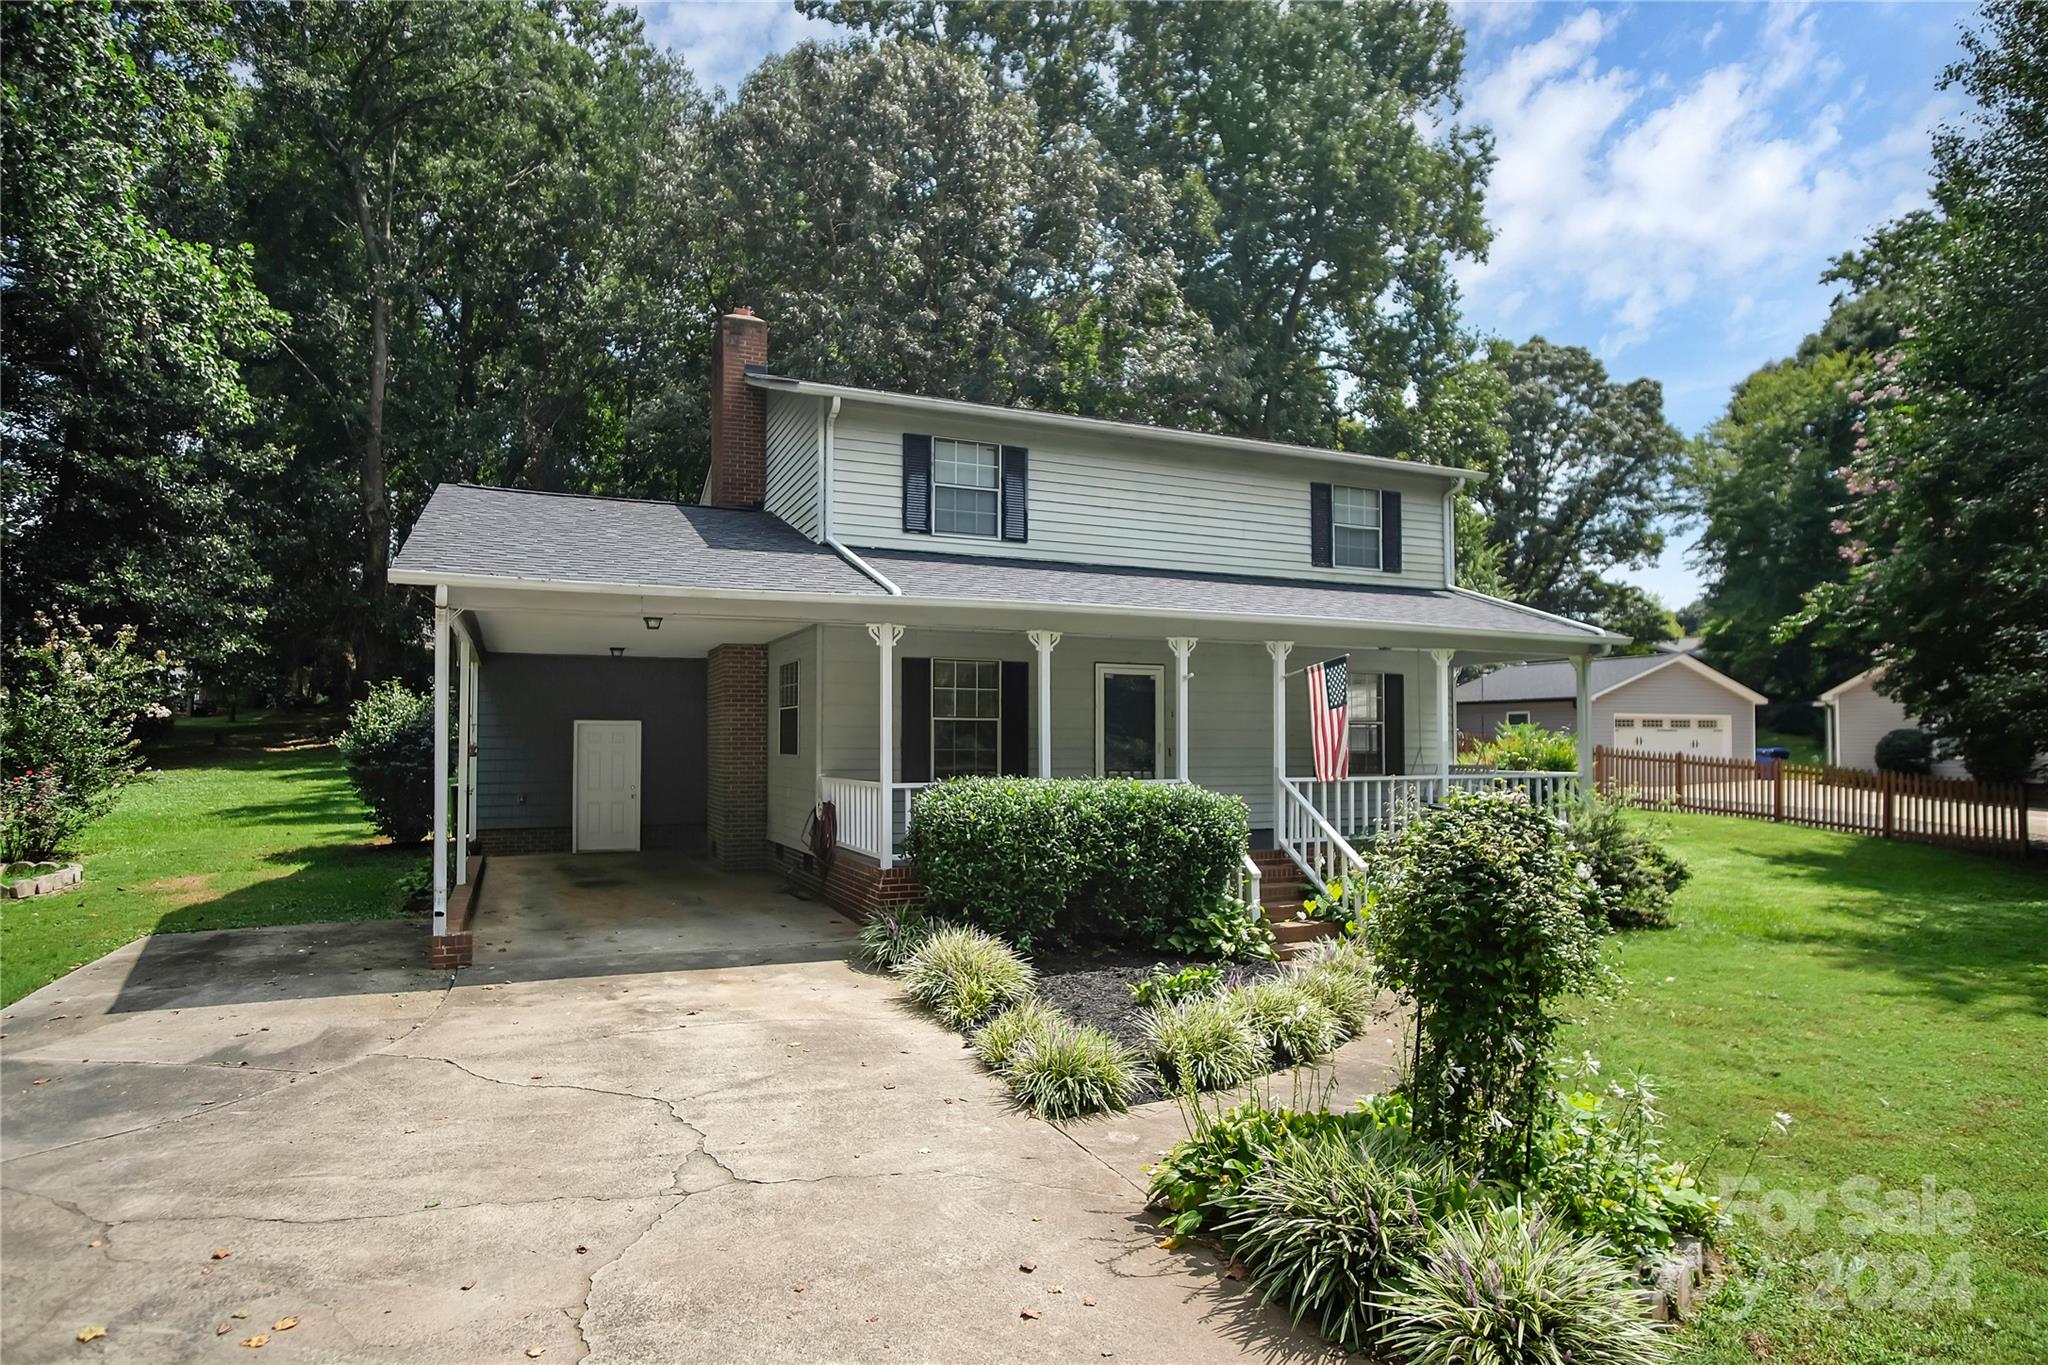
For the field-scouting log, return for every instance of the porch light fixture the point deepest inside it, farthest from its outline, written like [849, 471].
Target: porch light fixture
[618, 651]
[653, 622]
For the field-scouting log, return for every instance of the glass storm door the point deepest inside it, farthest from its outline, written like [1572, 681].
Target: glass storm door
[1127, 719]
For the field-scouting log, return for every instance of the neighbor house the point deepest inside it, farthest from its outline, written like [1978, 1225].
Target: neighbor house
[883, 590]
[1663, 702]
[1856, 717]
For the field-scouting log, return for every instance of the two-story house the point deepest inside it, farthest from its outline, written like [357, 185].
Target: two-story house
[882, 590]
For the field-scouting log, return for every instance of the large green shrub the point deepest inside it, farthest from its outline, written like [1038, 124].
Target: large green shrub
[1100, 861]
[389, 750]
[1525, 748]
[1511, 1287]
[1634, 876]
[1907, 750]
[1482, 923]
[69, 709]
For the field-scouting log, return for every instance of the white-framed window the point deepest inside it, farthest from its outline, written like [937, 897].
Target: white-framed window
[967, 717]
[786, 693]
[1368, 724]
[967, 479]
[1355, 528]
[1517, 718]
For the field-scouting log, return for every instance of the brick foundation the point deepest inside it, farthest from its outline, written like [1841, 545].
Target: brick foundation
[853, 885]
[446, 952]
[736, 768]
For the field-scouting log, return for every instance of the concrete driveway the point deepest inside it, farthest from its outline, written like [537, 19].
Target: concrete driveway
[660, 1120]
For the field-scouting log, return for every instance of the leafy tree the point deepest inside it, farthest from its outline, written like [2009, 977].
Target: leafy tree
[1769, 487]
[126, 313]
[920, 238]
[1316, 197]
[1948, 585]
[1586, 474]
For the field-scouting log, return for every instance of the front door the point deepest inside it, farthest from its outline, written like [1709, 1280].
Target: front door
[1128, 713]
[607, 785]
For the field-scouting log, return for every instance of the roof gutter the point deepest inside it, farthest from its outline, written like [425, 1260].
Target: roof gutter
[831, 423]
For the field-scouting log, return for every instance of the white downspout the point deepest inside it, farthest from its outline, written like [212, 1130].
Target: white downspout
[825, 507]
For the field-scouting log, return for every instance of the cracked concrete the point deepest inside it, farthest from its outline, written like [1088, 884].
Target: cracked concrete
[661, 1120]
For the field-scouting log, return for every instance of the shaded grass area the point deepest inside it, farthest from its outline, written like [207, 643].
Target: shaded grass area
[1893, 999]
[240, 823]
[1805, 748]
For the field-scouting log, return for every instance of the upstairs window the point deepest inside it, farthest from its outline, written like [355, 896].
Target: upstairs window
[967, 718]
[1355, 527]
[966, 484]
[786, 706]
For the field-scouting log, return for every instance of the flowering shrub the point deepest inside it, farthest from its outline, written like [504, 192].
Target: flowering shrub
[1634, 876]
[1600, 1165]
[68, 715]
[1482, 923]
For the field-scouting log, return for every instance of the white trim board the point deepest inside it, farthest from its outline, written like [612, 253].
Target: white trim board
[1754, 698]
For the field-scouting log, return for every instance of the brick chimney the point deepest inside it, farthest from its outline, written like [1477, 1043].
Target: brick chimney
[739, 417]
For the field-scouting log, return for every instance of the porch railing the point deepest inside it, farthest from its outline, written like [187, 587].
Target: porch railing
[1245, 882]
[864, 813]
[1359, 806]
[1324, 856]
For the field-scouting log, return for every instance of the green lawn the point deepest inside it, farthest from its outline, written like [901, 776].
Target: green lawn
[1805, 748]
[1894, 1001]
[238, 824]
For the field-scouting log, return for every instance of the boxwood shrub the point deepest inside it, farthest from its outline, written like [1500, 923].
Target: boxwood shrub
[1079, 860]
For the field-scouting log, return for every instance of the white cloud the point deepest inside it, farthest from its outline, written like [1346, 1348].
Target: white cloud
[1494, 18]
[723, 40]
[1632, 195]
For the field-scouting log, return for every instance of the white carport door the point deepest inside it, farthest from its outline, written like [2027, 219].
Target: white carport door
[607, 785]
[1703, 736]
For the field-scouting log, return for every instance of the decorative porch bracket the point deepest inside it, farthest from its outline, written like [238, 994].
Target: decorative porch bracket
[886, 637]
[1182, 646]
[1043, 641]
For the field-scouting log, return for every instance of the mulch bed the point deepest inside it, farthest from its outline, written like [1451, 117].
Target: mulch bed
[1095, 988]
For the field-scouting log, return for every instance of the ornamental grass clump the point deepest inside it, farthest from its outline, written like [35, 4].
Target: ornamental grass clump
[1337, 973]
[1027, 1022]
[1206, 1043]
[963, 976]
[1294, 1025]
[1073, 1070]
[1506, 1286]
[1324, 1224]
[890, 937]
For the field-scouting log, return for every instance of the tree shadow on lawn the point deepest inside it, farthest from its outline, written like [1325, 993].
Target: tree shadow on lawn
[1967, 929]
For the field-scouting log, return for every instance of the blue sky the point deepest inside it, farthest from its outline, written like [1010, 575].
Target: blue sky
[1672, 178]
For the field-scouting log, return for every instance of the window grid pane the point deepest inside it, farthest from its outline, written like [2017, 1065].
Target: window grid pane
[1358, 507]
[967, 708]
[1354, 548]
[965, 478]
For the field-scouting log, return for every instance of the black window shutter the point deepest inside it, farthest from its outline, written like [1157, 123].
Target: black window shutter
[916, 741]
[1390, 531]
[917, 483]
[1016, 495]
[1319, 535]
[1394, 704]
[1016, 755]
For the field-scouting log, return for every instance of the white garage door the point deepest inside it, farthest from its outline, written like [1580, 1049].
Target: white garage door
[1707, 736]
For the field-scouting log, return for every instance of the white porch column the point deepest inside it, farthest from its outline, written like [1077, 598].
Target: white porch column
[1182, 646]
[886, 637]
[464, 665]
[1279, 649]
[1582, 716]
[1043, 641]
[440, 761]
[1446, 745]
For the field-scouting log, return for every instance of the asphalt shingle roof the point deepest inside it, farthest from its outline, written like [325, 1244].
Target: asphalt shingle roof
[1549, 681]
[512, 533]
[988, 578]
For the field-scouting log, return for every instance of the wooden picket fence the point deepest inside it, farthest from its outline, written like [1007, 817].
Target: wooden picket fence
[1987, 816]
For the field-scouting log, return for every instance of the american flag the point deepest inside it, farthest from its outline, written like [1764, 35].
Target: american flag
[1329, 717]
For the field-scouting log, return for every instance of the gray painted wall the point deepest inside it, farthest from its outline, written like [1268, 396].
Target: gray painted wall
[1861, 718]
[1230, 707]
[792, 440]
[1114, 500]
[1483, 719]
[527, 707]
